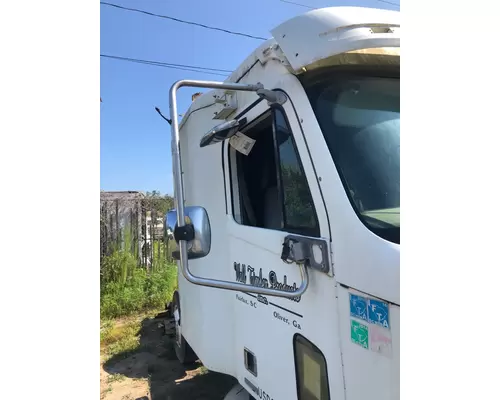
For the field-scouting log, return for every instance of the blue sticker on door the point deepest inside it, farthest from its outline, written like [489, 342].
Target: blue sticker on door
[358, 306]
[378, 313]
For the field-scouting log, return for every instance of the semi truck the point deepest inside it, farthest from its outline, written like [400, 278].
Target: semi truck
[287, 213]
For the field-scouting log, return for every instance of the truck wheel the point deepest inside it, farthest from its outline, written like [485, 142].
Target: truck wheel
[183, 350]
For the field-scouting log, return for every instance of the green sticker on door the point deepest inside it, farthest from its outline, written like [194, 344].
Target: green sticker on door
[359, 334]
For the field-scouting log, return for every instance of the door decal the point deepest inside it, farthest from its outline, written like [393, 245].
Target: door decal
[292, 321]
[369, 323]
[359, 333]
[247, 275]
[378, 313]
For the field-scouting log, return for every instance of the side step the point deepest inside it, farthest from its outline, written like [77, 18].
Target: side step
[238, 392]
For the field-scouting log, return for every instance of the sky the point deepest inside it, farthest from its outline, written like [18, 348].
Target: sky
[135, 140]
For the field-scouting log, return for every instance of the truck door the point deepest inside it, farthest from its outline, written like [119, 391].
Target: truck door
[284, 348]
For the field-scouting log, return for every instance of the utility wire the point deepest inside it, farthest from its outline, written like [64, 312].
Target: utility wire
[297, 4]
[182, 67]
[313, 8]
[165, 63]
[171, 67]
[389, 2]
[182, 21]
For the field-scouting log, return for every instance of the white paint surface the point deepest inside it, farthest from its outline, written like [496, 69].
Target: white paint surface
[219, 324]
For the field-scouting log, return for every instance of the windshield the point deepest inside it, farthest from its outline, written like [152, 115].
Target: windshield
[359, 117]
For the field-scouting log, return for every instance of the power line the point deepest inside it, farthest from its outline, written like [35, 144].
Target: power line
[297, 4]
[165, 63]
[389, 2]
[313, 8]
[182, 21]
[182, 67]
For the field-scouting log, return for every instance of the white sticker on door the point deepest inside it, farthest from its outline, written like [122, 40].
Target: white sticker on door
[380, 340]
[242, 143]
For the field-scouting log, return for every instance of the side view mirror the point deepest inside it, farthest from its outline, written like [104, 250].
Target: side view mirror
[221, 132]
[199, 247]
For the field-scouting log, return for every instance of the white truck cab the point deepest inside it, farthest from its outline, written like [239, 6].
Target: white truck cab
[288, 213]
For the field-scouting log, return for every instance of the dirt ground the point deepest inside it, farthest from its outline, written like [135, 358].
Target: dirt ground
[145, 366]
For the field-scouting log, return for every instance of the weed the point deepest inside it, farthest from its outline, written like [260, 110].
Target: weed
[121, 338]
[117, 267]
[139, 291]
[123, 347]
[106, 327]
[202, 370]
[116, 378]
[108, 390]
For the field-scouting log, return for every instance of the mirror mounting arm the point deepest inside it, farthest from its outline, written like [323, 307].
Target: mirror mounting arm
[272, 96]
[179, 193]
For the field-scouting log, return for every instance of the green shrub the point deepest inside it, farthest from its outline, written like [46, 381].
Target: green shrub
[117, 267]
[160, 285]
[127, 288]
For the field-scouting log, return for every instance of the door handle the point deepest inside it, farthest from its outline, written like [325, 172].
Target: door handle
[304, 250]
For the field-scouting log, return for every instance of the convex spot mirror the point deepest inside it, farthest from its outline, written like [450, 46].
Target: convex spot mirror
[221, 132]
[199, 247]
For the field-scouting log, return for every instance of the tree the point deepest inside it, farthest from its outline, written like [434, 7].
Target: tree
[159, 203]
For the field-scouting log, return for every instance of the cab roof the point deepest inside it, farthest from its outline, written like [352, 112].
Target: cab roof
[319, 34]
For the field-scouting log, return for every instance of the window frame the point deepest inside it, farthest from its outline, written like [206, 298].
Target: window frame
[346, 73]
[270, 113]
[315, 230]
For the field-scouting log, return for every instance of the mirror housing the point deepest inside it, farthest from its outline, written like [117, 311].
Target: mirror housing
[221, 132]
[199, 247]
